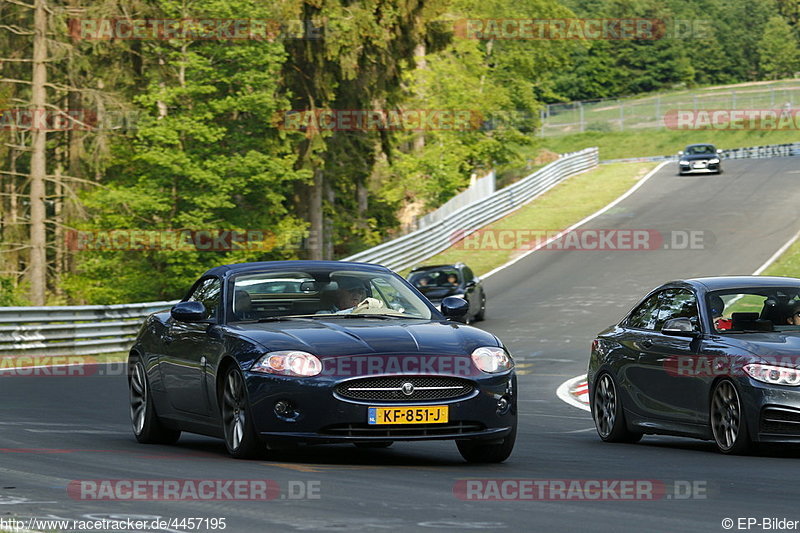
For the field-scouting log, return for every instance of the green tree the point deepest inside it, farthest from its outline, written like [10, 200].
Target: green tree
[205, 156]
[778, 50]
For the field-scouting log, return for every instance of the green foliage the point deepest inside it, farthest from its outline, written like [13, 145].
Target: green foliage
[207, 151]
[706, 42]
[778, 50]
[10, 295]
[205, 156]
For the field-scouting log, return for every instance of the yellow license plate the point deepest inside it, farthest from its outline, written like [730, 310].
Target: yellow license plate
[430, 414]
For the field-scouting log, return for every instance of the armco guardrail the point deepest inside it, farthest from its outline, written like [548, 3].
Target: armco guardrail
[98, 329]
[408, 250]
[72, 330]
[749, 152]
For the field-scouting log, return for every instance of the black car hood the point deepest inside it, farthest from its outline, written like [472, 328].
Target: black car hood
[766, 344]
[437, 294]
[354, 336]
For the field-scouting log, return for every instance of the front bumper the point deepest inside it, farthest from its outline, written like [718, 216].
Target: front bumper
[706, 168]
[320, 415]
[772, 412]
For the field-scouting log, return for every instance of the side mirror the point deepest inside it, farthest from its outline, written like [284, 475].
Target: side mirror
[719, 150]
[470, 284]
[455, 308]
[680, 152]
[189, 312]
[679, 327]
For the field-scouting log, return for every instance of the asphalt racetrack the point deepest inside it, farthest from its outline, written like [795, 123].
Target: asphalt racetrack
[547, 308]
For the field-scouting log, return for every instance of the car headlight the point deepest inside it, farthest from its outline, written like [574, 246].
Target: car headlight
[774, 375]
[492, 359]
[288, 363]
[683, 162]
[714, 161]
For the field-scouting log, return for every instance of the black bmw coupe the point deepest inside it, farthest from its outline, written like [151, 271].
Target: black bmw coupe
[275, 353]
[710, 358]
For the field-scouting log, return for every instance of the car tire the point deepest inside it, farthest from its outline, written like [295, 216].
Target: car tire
[373, 445]
[239, 433]
[727, 420]
[147, 426]
[482, 313]
[476, 451]
[609, 414]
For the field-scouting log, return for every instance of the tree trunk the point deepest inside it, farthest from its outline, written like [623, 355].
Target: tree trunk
[12, 232]
[37, 266]
[330, 197]
[58, 234]
[422, 64]
[315, 216]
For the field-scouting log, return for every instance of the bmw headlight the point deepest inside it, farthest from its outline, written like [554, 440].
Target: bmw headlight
[774, 375]
[714, 161]
[492, 359]
[288, 363]
[683, 162]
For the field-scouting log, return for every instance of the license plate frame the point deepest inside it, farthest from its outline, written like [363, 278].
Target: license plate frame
[411, 414]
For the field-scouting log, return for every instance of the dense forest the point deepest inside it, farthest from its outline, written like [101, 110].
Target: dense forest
[130, 126]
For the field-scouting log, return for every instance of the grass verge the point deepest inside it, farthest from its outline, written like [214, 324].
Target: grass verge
[644, 143]
[788, 264]
[557, 209]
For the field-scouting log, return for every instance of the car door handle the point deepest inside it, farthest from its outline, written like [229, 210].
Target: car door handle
[647, 343]
[167, 339]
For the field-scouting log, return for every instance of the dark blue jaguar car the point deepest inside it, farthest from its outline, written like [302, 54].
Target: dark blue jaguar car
[710, 358]
[269, 354]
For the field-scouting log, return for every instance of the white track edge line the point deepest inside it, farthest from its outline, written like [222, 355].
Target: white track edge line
[594, 215]
[774, 257]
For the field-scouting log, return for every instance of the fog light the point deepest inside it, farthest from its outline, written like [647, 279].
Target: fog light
[503, 405]
[284, 408]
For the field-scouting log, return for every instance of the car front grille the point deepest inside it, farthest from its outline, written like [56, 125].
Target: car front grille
[780, 420]
[396, 388]
[413, 430]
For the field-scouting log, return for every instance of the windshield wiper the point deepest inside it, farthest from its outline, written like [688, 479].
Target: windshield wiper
[279, 318]
[366, 315]
[746, 331]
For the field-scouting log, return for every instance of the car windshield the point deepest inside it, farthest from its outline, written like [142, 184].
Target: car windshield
[325, 293]
[701, 149]
[755, 309]
[436, 277]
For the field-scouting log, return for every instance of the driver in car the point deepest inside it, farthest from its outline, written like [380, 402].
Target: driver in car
[794, 316]
[348, 298]
[351, 296]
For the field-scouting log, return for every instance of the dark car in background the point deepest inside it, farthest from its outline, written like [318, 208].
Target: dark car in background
[710, 358]
[700, 159]
[437, 282]
[277, 353]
